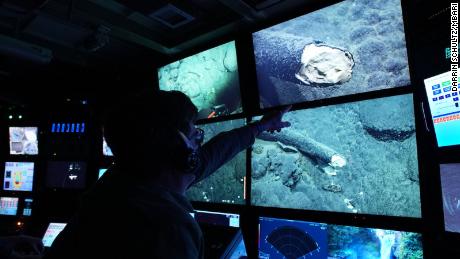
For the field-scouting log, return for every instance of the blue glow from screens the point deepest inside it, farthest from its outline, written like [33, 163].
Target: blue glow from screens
[450, 181]
[52, 232]
[239, 251]
[27, 211]
[66, 174]
[448, 53]
[226, 185]
[19, 176]
[23, 140]
[106, 151]
[217, 218]
[336, 158]
[67, 127]
[275, 234]
[281, 239]
[8, 206]
[445, 109]
[354, 46]
[101, 172]
[209, 78]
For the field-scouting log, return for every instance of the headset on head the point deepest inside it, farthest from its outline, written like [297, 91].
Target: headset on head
[189, 158]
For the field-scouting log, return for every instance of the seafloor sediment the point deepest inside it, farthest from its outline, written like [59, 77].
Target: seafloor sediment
[372, 31]
[226, 184]
[381, 172]
[450, 180]
[209, 78]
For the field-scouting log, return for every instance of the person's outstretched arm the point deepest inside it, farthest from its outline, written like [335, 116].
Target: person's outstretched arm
[226, 145]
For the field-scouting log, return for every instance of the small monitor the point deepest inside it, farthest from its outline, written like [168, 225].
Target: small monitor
[52, 232]
[217, 218]
[450, 181]
[443, 99]
[66, 174]
[281, 238]
[23, 141]
[101, 172]
[209, 78]
[227, 184]
[19, 176]
[8, 206]
[358, 157]
[68, 127]
[106, 151]
[27, 210]
[351, 47]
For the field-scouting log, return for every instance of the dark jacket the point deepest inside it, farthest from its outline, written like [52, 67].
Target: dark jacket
[119, 219]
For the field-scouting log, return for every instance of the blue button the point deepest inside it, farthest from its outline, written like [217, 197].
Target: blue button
[447, 89]
[434, 87]
[447, 95]
[435, 99]
[454, 93]
[441, 97]
[456, 99]
[436, 92]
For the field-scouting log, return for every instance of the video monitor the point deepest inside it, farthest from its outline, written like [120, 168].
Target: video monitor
[23, 141]
[217, 218]
[354, 46]
[281, 238]
[66, 174]
[226, 185]
[52, 232]
[27, 210]
[209, 78]
[236, 249]
[450, 181]
[358, 157]
[101, 172]
[443, 99]
[19, 176]
[8, 206]
[106, 151]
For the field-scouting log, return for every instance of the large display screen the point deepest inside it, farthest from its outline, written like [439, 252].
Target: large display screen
[445, 109]
[450, 181]
[358, 157]
[52, 232]
[209, 78]
[8, 206]
[66, 175]
[280, 238]
[226, 185]
[23, 141]
[19, 176]
[351, 47]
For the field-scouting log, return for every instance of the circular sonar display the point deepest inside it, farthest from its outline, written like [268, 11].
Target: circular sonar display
[292, 242]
